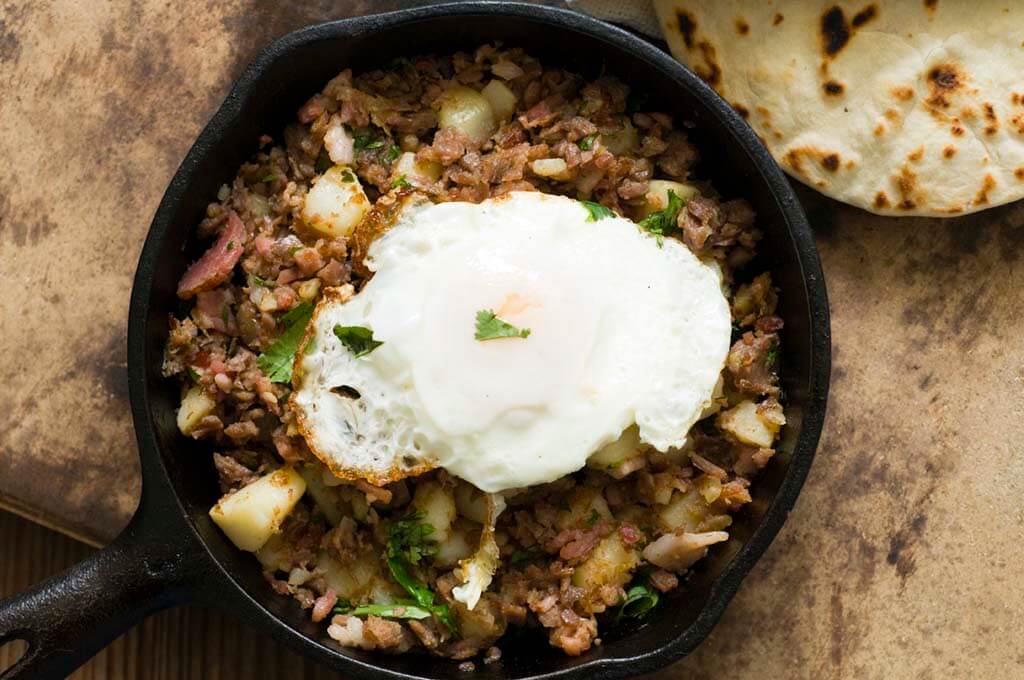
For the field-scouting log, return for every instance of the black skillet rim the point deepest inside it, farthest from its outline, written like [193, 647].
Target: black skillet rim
[155, 474]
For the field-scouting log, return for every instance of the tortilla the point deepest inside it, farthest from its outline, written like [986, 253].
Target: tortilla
[900, 108]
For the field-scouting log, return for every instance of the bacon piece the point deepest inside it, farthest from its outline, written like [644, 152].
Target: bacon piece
[216, 264]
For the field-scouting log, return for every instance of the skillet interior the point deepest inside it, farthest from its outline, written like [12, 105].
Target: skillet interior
[268, 95]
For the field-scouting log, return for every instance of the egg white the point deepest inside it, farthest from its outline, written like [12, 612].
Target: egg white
[622, 331]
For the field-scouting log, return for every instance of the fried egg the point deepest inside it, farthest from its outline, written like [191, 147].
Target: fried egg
[622, 329]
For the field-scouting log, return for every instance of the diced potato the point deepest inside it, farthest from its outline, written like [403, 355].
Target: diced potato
[709, 488]
[361, 578]
[683, 511]
[552, 168]
[751, 426]
[467, 111]
[610, 563]
[255, 512]
[586, 505]
[325, 497]
[195, 405]
[274, 554]
[336, 203]
[416, 172]
[471, 502]
[460, 544]
[478, 570]
[621, 142]
[619, 451]
[657, 194]
[437, 504]
[502, 100]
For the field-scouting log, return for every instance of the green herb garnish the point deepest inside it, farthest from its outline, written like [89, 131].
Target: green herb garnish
[663, 222]
[323, 161]
[347, 176]
[271, 178]
[521, 556]
[490, 327]
[276, 362]
[597, 211]
[408, 545]
[641, 598]
[259, 281]
[230, 246]
[366, 140]
[392, 153]
[358, 339]
[401, 183]
[593, 519]
[772, 356]
[587, 143]
[398, 610]
[194, 374]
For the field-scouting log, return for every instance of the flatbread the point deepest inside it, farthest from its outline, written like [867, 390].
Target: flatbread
[912, 107]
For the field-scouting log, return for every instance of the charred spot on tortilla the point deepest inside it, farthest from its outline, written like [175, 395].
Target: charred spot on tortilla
[777, 19]
[742, 27]
[944, 79]
[1019, 173]
[903, 92]
[987, 185]
[864, 16]
[742, 110]
[993, 121]
[710, 73]
[687, 27]
[835, 31]
[881, 200]
[949, 151]
[833, 88]
[916, 155]
[931, 4]
[830, 162]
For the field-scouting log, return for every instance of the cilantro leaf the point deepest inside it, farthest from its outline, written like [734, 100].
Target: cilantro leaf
[772, 356]
[593, 519]
[366, 140]
[357, 339]
[597, 211]
[490, 327]
[398, 610]
[347, 176]
[392, 153]
[663, 222]
[194, 374]
[276, 361]
[230, 246]
[640, 599]
[256, 280]
[587, 143]
[407, 545]
[270, 178]
[401, 183]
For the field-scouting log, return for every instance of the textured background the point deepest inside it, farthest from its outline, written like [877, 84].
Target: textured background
[902, 558]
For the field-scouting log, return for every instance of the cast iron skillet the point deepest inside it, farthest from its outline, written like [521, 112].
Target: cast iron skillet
[171, 553]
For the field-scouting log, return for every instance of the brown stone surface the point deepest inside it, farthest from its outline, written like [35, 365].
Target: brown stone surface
[903, 557]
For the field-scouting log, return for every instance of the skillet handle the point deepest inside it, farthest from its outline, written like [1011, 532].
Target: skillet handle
[67, 619]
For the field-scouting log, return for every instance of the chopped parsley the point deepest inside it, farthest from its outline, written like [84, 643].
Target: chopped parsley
[401, 183]
[587, 143]
[594, 517]
[490, 327]
[347, 176]
[271, 178]
[772, 356]
[276, 361]
[194, 374]
[357, 339]
[663, 222]
[597, 211]
[253, 279]
[230, 246]
[392, 153]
